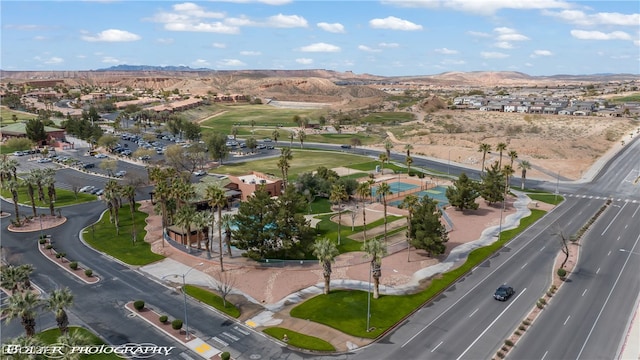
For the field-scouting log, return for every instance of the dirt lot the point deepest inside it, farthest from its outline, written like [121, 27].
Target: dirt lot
[553, 144]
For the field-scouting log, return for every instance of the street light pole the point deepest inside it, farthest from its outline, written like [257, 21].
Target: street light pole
[184, 294]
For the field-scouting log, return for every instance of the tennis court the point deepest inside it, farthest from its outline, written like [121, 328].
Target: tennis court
[396, 187]
[438, 193]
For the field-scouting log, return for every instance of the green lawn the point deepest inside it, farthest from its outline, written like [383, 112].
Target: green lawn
[212, 299]
[303, 161]
[387, 118]
[329, 229]
[365, 139]
[7, 114]
[371, 165]
[63, 197]
[552, 199]
[320, 205]
[102, 236]
[299, 340]
[345, 310]
[51, 337]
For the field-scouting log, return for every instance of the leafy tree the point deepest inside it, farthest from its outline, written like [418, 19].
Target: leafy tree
[217, 145]
[292, 232]
[252, 144]
[492, 189]
[376, 249]
[255, 222]
[484, 149]
[427, 231]
[107, 141]
[463, 193]
[275, 135]
[192, 131]
[109, 165]
[58, 301]
[35, 131]
[326, 251]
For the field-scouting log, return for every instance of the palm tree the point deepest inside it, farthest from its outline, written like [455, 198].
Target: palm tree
[24, 275]
[23, 305]
[383, 190]
[410, 202]
[10, 278]
[326, 251]
[383, 157]
[501, 147]
[49, 182]
[30, 180]
[408, 160]
[38, 177]
[24, 342]
[234, 132]
[337, 196]
[275, 135]
[364, 191]
[388, 145]
[13, 186]
[484, 149]
[112, 197]
[184, 218]
[59, 300]
[201, 220]
[8, 168]
[508, 171]
[130, 192]
[301, 136]
[292, 135]
[408, 148]
[72, 339]
[227, 224]
[524, 166]
[284, 163]
[218, 199]
[376, 249]
[513, 155]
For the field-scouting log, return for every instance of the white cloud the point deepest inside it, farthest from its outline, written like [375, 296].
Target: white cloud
[483, 7]
[112, 35]
[164, 41]
[493, 55]
[200, 63]
[250, 53]
[320, 47]
[333, 28]
[446, 51]
[508, 34]
[287, 21]
[110, 60]
[219, 45]
[599, 35]
[394, 23]
[389, 45]
[50, 61]
[267, 2]
[230, 62]
[478, 34]
[537, 53]
[196, 11]
[304, 61]
[214, 27]
[452, 62]
[192, 17]
[578, 17]
[367, 49]
[503, 45]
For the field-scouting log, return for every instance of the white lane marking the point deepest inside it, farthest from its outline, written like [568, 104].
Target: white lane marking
[490, 325]
[618, 238]
[545, 355]
[614, 219]
[542, 248]
[437, 346]
[634, 213]
[522, 267]
[474, 311]
[584, 292]
[597, 271]
[565, 322]
[609, 253]
[608, 296]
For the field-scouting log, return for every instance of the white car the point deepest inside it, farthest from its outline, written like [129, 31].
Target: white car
[87, 188]
[121, 173]
[44, 160]
[200, 173]
[100, 156]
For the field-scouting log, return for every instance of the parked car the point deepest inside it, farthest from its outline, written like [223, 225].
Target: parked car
[87, 188]
[266, 140]
[199, 173]
[120, 173]
[144, 157]
[18, 153]
[89, 165]
[127, 153]
[503, 293]
[100, 156]
[44, 160]
[99, 192]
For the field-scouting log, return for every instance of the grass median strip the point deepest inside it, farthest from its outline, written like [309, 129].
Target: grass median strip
[212, 299]
[298, 340]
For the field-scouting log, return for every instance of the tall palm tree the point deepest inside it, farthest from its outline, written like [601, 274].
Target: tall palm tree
[284, 163]
[383, 157]
[500, 148]
[182, 191]
[30, 180]
[8, 168]
[408, 161]
[383, 191]
[201, 220]
[364, 191]
[524, 166]
[13, 186]
[72, 339]
[59, 300]
[337, 196]
[24, 305]
[408, 148]
[39, 177]
[508, 171]
[326, 251]
[513, 155]
[377, 250]
[24, 342]
[218, 199]
[184, 218]
[129, 192]
[388, 145]
[292, 136]
[484, 149]
[49, 181]
[301, 137]
[410, 202]
[10, 278]
[24, 275]
[227, 223]
[275, 135]
[112, 191]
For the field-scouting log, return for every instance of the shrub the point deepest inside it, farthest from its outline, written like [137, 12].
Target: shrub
[42, 241]
[163, 318]
[49, 247]
[500, 354]
[522, 327]
[508, 342]
[539, 305]
[88, 272]
[542, 301]
[504, 348]
[225, 355]
[59, 255]
[73, 265]
[518, 332]
[562, 273]
[549, 293]
[526, 322]
[138, 305]
[176, 324]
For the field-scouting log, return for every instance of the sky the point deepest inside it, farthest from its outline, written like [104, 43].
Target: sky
[385, 37]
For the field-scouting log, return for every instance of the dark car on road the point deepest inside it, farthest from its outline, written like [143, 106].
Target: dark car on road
[345, 146]
[503, 293]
